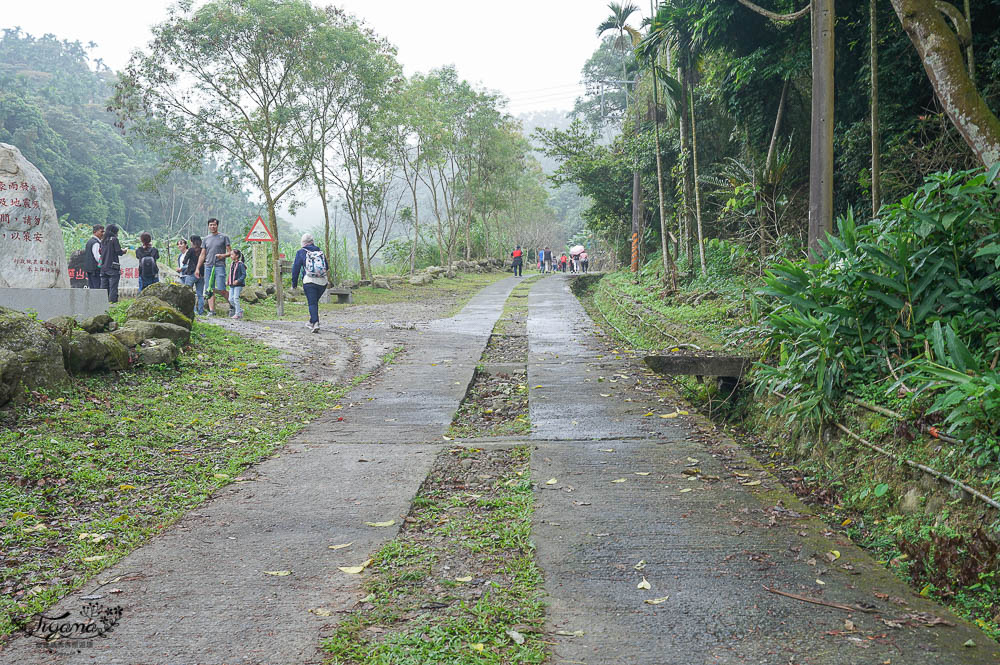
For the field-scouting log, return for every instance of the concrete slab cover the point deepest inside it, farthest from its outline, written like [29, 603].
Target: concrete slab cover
[32, 254]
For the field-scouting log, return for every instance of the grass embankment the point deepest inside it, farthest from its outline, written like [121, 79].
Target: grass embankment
[459, 585]
[940, 540]
[90, 472]
[457, 291]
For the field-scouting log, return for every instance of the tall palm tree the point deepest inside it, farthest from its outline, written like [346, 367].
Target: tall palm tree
[618, 21]
[676, 27]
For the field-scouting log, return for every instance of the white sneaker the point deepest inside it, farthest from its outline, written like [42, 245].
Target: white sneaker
[316, 327]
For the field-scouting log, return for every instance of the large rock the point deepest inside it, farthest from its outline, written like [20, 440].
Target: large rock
[180, 297]
[421, 279]
[61, 328]
[157, 352]
[381, 283]
[33, 256]
[90, 353]
[149, 308]
[96, 324]
[30, 356]
[135, 332]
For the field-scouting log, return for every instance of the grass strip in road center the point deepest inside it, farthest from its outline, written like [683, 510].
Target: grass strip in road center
[459, 585]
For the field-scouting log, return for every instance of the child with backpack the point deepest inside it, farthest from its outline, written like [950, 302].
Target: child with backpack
[311, 263]
[149, 272]
[236, 282]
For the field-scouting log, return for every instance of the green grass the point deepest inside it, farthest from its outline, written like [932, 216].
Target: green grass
[462, 288]
[406, 579]
[123, 455]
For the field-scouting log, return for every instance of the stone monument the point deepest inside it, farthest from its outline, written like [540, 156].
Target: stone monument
[32, 254]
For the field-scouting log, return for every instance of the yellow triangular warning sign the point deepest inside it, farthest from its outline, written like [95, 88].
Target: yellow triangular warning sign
[259, 232]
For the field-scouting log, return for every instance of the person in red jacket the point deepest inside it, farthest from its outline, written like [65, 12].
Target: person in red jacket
[517, 260]
[562, 262]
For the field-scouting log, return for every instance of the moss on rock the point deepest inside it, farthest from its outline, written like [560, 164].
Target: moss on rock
[177, 296]
[153, 309]
[30, 355]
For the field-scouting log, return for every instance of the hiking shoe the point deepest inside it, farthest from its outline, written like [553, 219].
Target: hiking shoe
[315, 327]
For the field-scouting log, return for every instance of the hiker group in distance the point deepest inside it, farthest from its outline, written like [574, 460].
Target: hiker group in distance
[202, 265]
[577, 261]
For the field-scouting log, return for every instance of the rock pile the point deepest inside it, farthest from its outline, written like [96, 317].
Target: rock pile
[40, 355]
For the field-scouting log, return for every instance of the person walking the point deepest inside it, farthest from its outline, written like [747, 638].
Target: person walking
[92, 257]
[190, 265]
[541, 260]
[111, 271]
[149, 272]
[547, 255]
[584, 261]
[236, 282]
[310, 261]
[563, 260]
[212, 262]
[517, 260]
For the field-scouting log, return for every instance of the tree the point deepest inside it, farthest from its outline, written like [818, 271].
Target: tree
[228, 80]
[940, 52]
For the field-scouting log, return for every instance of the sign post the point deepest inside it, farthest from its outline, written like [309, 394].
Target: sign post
[259, 233]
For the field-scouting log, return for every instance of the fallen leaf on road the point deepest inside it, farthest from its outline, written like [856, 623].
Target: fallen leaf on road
[618, 480]
[686, 489]
[605, 394]
[355, 570]
[848, 625]
[656, 601]
[446, 438]
[642, 473]
[968, 643]
[832, 555]
[640, 565]
[566, 633]
[321, 612]
[607, 450]
[751, 483]
[278, 573]
[551, 481]
[467, 578]
[643, 584]
[820, 582]
[386, 523]
[647, 414]
[538, 386]
[668, 415]
[340, 547]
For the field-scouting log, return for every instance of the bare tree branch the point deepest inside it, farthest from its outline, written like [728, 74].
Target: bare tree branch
[773, 16]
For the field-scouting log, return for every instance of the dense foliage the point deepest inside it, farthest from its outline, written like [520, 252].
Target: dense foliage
[53, 100]
[908, 301]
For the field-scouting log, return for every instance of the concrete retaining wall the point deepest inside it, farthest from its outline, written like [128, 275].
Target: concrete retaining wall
[48, 303]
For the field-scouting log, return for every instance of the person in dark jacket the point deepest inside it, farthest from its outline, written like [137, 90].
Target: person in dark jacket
[92, 258]
[236, 281]
[310, 261]
[189, 277]
[111, 272]
[149, 272]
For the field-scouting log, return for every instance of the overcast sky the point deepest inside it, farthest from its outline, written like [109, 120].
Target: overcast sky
[530, 50]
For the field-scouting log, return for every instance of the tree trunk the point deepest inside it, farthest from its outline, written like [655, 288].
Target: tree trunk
[941, 54]
[272, 218]
[685, 230]
[697, 189]
[821, 128]
[772, 148]
[669, 269]
[876, 151]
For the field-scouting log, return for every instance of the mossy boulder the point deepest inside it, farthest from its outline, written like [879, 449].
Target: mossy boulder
[148, 308]
[96, 324]
[92, 353]
[421, 279]
[30, 355]
[135, 332]
[157, 352]
[179, 297]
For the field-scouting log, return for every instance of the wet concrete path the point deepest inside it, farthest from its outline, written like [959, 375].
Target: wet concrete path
[635, 499]
[249, 577]
[666, 502]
